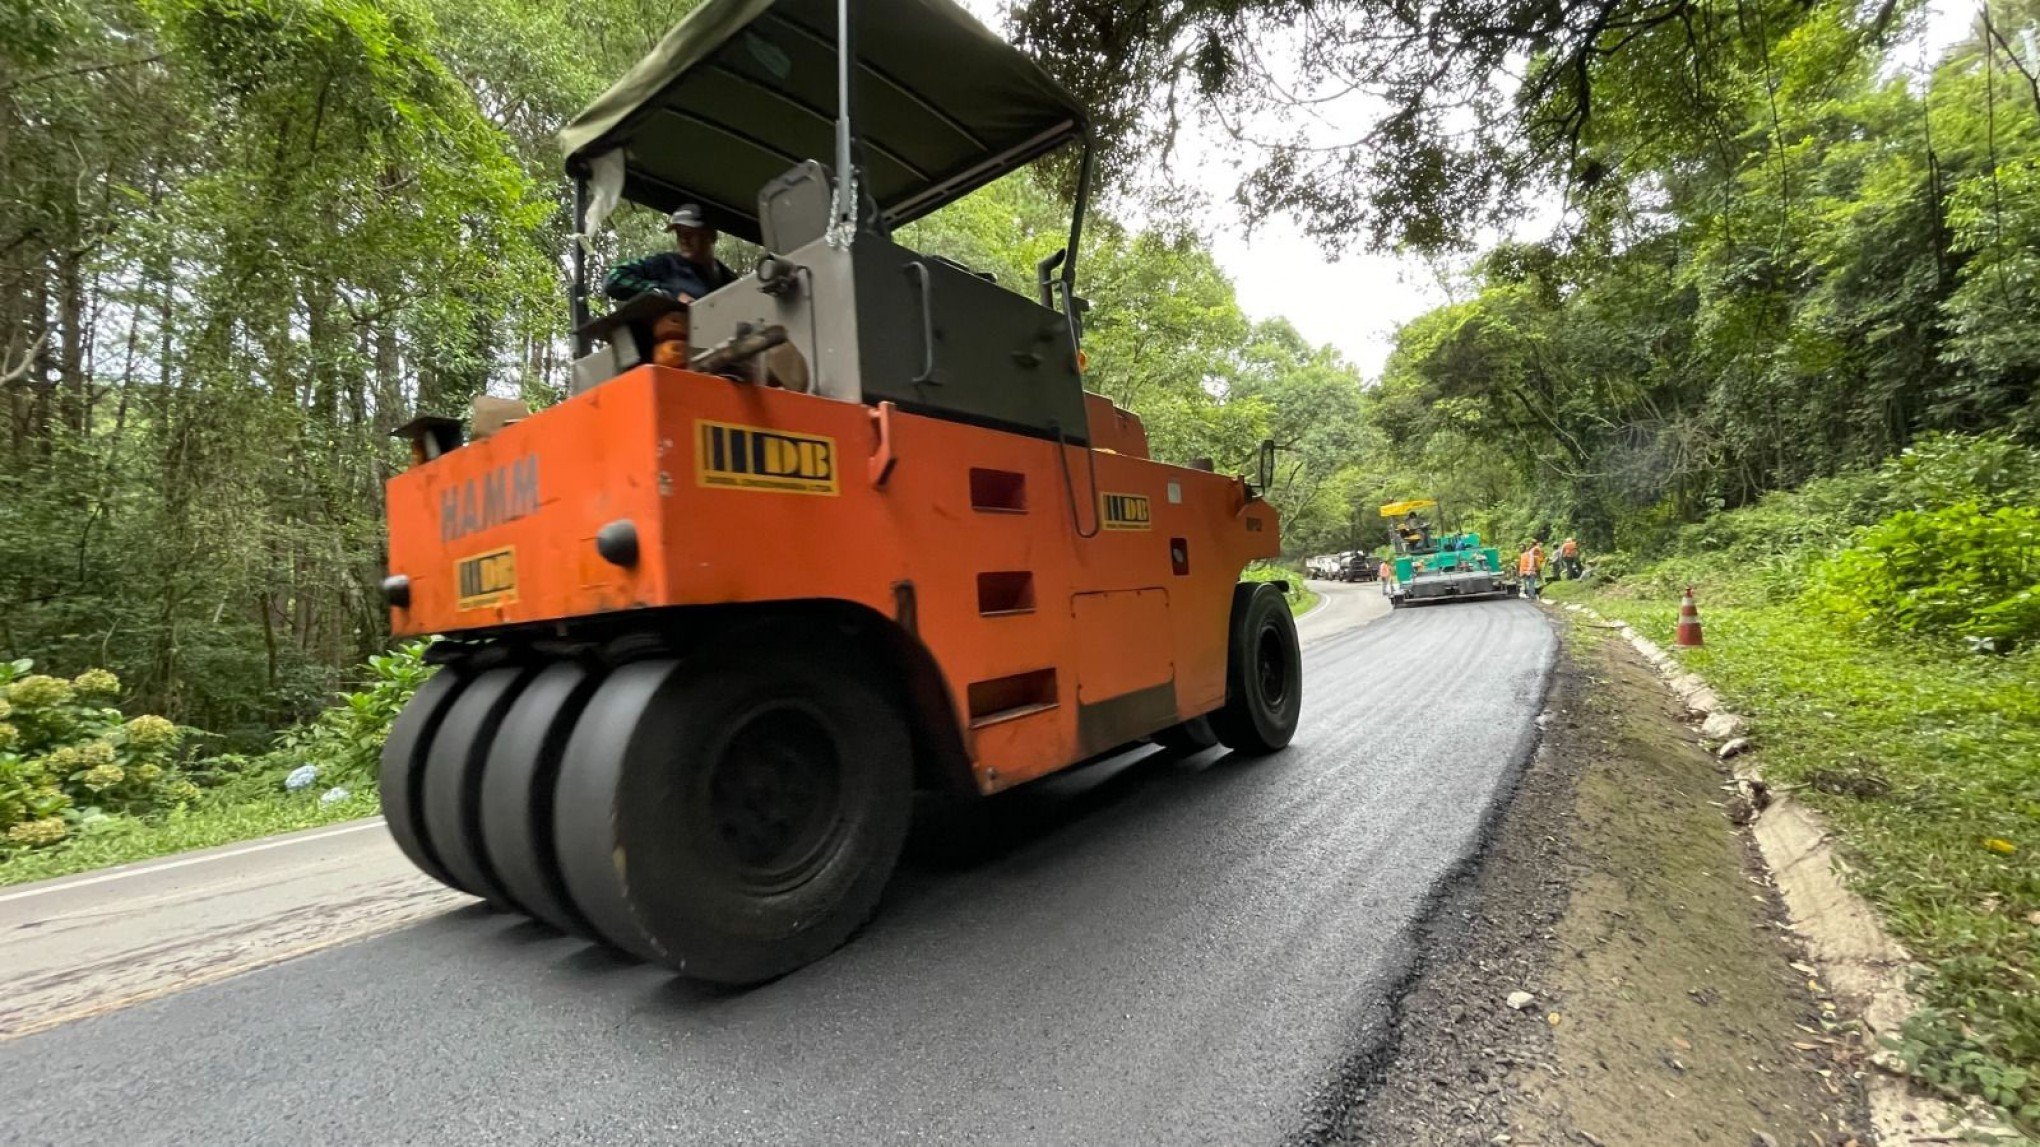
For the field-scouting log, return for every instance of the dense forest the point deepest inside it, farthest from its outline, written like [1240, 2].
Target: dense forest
[1845, 260]
[241, 240]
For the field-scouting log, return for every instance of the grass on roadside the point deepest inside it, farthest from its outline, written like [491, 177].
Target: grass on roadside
[1301, 596]
[1926, 759]
[1302, 600]
[124, 840]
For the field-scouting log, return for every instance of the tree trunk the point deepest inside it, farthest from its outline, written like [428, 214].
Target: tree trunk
[74, 399]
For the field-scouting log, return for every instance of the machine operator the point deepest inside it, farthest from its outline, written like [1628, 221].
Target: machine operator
[686, 273]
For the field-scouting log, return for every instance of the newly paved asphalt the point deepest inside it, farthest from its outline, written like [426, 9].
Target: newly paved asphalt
[1151, 951]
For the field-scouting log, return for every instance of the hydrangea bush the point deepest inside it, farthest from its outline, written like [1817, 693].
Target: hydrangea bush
[67, 756]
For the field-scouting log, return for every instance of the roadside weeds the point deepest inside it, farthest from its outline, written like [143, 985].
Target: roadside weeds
[1845, 940]
[1924, 760]
[209, 824]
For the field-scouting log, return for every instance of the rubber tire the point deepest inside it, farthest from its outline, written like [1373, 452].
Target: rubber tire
[1251, 721]
[518, 786]
[631, 817]
[402, 771]
[585, 826]
[1187, 739]
[452, 792]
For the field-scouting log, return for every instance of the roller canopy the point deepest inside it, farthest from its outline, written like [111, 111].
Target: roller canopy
[741, 90]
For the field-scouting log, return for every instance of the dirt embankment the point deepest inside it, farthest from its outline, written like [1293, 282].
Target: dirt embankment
[1617, 972]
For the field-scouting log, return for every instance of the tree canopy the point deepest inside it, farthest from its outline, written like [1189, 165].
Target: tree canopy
[1857, 272]
[1470, 105]
[241, 242]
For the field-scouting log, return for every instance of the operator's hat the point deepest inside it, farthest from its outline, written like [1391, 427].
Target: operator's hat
[687, 216]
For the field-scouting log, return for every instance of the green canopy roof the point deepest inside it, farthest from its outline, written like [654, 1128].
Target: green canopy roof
[741, 90]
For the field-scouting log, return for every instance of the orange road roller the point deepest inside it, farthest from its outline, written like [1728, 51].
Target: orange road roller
[706, 629]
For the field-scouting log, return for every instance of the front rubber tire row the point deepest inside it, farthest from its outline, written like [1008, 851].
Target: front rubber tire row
[731, 823]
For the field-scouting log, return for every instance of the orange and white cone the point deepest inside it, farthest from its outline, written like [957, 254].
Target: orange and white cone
[1688, 633]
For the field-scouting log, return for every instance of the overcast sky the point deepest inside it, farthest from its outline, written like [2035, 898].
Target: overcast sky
[1356, 302]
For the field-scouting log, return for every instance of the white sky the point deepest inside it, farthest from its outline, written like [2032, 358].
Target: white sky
[1356, 302]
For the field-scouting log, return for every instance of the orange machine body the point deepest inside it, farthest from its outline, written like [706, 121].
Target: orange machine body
[1052, 645]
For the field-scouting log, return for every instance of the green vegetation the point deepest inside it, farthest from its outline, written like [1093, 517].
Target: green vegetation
[1799, 276]
[69, 760]
[81, 789]
[202, 824]
[1827, 624]
[1954, 570]
[1302, 598]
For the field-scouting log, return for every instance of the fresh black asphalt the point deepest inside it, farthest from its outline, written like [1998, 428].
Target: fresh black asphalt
[1153, 950]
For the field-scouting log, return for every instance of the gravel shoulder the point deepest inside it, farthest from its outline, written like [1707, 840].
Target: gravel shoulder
[1619, 893]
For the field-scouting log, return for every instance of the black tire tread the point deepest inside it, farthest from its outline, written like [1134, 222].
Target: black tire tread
[519, 787]
[401, 773]
[1245, 724]
[451, 794]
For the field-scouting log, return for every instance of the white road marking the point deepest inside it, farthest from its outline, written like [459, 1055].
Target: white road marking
[1323, 600]
[167, 865]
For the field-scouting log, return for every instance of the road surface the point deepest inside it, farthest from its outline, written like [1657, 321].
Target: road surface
[1150, 951]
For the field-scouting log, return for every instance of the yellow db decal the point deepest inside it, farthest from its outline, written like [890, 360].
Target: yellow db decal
[753, 458]
[487, 579]
[1124, 511]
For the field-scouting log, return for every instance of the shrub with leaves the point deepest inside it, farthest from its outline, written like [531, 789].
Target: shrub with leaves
[1784, 537]
[1942, 1052]
[345, 741]
[68, 757]
[1612, 566]
[1956, 571]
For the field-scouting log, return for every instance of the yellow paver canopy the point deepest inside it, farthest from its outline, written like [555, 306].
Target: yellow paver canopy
[1397, 509]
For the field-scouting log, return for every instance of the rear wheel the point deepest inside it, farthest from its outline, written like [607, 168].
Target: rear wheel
[1264, 673]
[737, 822]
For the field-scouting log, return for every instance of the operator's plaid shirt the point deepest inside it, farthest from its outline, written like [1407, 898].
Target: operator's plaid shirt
[665, 273]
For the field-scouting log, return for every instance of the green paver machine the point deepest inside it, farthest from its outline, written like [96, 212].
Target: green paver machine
[1433, 565]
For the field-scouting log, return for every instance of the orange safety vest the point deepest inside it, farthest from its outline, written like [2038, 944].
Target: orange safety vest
[1569, 548]
[1386, 571]
[1528, 563]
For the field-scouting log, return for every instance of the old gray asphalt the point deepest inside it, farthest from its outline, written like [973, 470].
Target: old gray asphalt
[1159, 951]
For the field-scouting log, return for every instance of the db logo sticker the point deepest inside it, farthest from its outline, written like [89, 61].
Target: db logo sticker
[1125, 511]
[487, 579]
[754, 458]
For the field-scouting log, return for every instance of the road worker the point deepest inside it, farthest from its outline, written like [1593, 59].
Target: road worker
[1569, 559]
[1530, 568]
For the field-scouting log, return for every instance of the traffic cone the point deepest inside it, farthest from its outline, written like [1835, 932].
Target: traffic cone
[1688, 633]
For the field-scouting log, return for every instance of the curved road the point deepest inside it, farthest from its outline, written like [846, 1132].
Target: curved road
[1153, 950]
